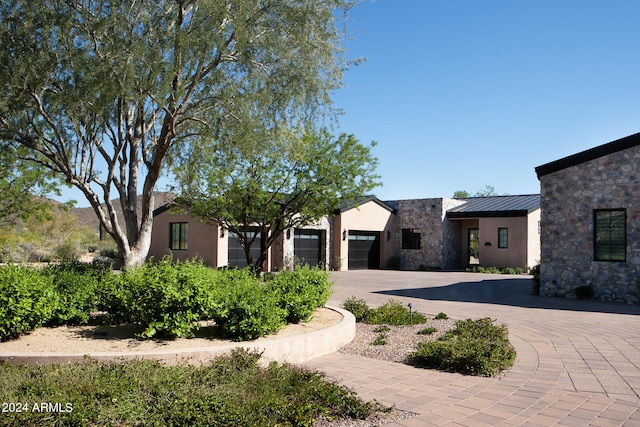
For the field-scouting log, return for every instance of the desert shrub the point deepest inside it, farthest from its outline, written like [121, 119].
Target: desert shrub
[441, 316]
[166, 298]
[381, 339]
[474, 347]
[27, 300]
[394, 313]
[300, 292]
[535, 272]
[584, 292]
[357, 307]
[427, 331]
[76, 285]
[233, 390]
[247, 308]
[393, 263]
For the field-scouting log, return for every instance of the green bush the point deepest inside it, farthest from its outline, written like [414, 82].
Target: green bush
[441, 316]
[230, 391]
[77, 287]
[427, 331]
[535, 272]
[357, 307]
[473, 347]
[394, 313]
[300, 292]
[166, 298]
[247, 309]
[27, 300]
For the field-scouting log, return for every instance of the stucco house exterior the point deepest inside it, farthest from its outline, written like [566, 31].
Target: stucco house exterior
[434, 233]
[590, 222]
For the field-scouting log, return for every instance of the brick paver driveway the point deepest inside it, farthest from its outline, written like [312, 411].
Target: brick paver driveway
[578, 361]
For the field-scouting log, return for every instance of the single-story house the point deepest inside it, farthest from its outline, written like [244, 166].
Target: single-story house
[438, 233]
[590, 222]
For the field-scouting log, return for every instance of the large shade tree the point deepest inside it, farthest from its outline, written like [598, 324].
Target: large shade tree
[104, 93]
[278, 186]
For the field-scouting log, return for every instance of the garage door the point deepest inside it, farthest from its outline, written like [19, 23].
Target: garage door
[237, 258]
[307, 246]
[364, 250]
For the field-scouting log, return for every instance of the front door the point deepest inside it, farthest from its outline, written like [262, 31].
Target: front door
[473, 247]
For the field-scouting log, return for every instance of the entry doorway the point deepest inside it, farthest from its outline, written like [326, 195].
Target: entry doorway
[473, 246]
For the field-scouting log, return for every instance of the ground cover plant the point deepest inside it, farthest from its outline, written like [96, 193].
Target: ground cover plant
[166, 299]
[231, 391]
[474, 347]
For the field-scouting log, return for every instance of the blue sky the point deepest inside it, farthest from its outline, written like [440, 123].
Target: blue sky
[460, 94]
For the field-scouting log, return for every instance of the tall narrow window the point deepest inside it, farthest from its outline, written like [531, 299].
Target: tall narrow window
[503, 238]
[610, 235]
[179, 238]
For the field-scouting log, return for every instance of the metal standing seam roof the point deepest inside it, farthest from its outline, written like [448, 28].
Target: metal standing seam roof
[496, 206]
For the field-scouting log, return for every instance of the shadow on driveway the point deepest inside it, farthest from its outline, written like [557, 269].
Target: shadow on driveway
[507, 291]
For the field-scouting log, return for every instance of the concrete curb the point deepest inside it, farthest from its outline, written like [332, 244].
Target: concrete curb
[293, 349]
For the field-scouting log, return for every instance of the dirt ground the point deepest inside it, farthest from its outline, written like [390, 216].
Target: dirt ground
[99, 338]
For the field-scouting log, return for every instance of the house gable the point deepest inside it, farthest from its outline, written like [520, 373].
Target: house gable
[588, 155]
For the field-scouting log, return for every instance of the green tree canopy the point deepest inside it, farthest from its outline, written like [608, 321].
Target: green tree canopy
[104, 93]
[489, 190]
[280, 185]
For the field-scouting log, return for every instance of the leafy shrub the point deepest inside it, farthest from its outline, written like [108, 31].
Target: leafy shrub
[300, 292]
[441, 316]
[427, 331]
[27, 300]
[230, 391]
[585, 292]
[393, 263]
[76, 285]
[247, 308]
[381, 339]
[358, 307]
[394, 313]
[166, 298]
[535, 272]
[473, 347]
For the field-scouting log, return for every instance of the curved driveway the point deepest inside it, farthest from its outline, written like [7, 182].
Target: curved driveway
[578, 362]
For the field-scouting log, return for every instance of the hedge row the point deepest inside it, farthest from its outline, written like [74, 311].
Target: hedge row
[167, 299]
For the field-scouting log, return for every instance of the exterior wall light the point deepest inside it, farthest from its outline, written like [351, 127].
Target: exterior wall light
[344, 234]
[221, 231]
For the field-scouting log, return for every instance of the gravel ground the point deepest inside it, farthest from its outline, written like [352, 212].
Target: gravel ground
[400, 342]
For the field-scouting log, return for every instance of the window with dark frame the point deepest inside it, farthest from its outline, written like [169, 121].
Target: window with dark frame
[503, 238]
[610, 235]
[179, 238]
[411, 238]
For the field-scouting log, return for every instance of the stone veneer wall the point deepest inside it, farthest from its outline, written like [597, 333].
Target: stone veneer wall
[568, 198]
[284, 258]
[440, 241]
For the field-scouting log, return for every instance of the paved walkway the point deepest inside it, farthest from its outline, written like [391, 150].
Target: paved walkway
[578, 362]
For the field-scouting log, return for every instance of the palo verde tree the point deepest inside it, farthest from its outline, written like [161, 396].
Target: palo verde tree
[274, 187]
[103, 93]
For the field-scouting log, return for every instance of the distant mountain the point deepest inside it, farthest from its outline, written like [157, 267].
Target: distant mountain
[88, 217]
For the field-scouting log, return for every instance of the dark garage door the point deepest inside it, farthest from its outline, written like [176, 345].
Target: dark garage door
[237, 257]
[307, 245]
[364, 250]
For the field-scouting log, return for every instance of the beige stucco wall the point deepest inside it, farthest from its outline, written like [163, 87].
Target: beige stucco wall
[203, 240]
[515, 255]
[369, 216]
[533, 241]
